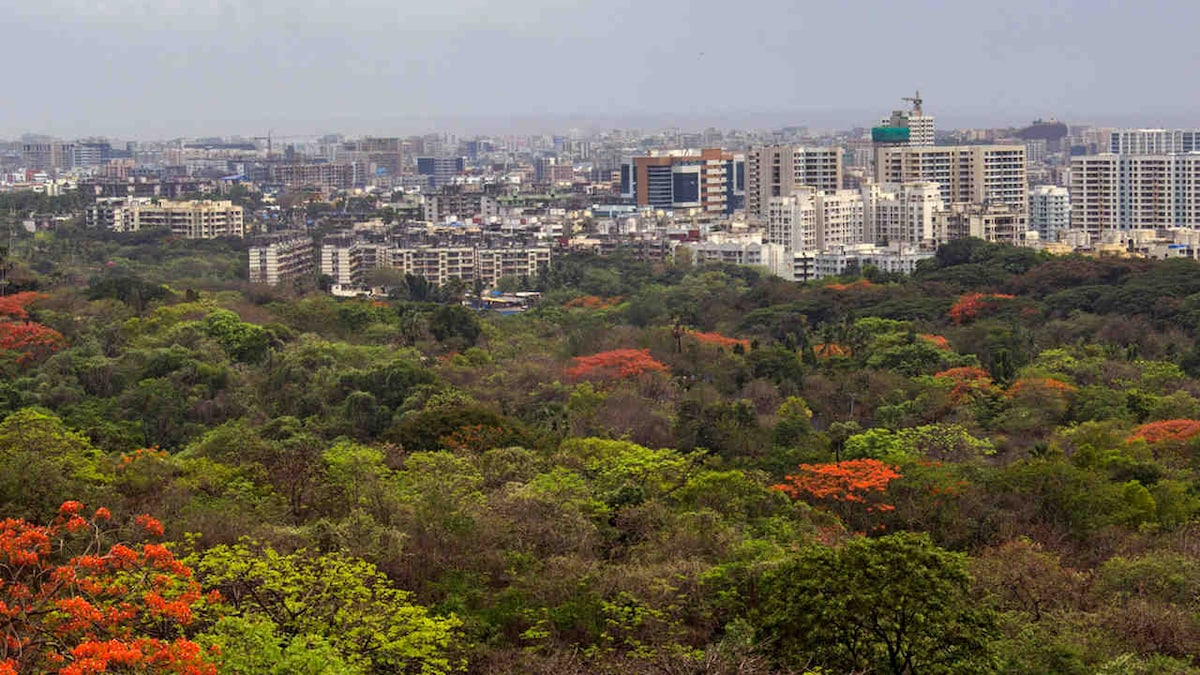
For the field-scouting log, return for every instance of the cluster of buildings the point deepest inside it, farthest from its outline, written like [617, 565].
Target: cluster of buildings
[802, 204]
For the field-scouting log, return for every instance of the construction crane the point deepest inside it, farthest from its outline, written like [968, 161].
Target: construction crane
[915, 100]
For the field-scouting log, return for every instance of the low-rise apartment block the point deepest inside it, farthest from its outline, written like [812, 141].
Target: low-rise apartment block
[281, 258]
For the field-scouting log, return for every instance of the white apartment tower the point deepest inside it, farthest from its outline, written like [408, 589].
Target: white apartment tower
[901, 213]
[779, 170]
[1049, 211]
[1154, 141]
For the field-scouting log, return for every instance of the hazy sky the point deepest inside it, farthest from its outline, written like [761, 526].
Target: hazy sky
[157, 68]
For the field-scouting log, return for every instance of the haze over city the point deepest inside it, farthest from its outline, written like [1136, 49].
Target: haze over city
[142, 69]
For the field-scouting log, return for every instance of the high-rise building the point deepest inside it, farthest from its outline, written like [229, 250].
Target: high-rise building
[1153, 141]
[1049, 211]
[441, 170]
[381, 156]
[1128, 192]
[975, 174]
[280, 258]
[906, 127]
[48, 156]
[710, 180]
[778, 170]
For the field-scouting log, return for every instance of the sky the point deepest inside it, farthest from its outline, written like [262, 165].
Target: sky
[171, 68]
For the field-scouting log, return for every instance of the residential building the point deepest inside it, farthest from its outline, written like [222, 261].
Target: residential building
[1153, 141]
[346, 258]
[280, 258]
[452, 204]
[491, 264]
[191, 219]
[901, 213]
[114, 213]
[974, 174]
[338, 260]
[836, 261]
[1049, 211]
[998, 223]
[322, 175]
[710, 180]
[779, 170]
[1129, 192]
[774, 257]
[811, 220]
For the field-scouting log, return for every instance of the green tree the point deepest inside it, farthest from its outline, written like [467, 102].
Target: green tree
[344, 601]
[897, 604]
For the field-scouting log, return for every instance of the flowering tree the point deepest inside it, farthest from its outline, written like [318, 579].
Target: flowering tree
[17, 304]
[1166, 430]
[971, 305]
[719, 340]
[1040, 385]
[70, 604]
[852, 488]
[854, 285]
[968, 381]
[22, 339]
[938, 341]
[617, 364]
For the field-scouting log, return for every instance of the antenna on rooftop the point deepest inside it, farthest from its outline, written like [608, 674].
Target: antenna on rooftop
[916, 101]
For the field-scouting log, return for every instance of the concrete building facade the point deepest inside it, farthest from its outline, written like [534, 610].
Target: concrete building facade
[280, 258]
[777, 171]
[1128, 192]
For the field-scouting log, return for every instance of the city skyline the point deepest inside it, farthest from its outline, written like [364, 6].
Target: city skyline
[141, 70]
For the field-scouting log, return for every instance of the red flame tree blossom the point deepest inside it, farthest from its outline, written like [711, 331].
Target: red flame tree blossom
[17, 304]
[25, 339]
[852, 482]
[617, 364]
[1166, 430]
[111, 608]
[972, 305]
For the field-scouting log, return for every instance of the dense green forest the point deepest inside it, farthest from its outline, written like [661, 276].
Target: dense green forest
[991, 466]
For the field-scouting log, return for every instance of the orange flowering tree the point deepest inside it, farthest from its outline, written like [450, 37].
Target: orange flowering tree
[938, 341]
[16, 305]
[593, 302]
[72, 605]
[854, 285]
[971, 305]
[1166, 430]
[719, 340]
[1040, 385]
[616, 364]
[828, 350]
[854, 489]
[968, 381]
